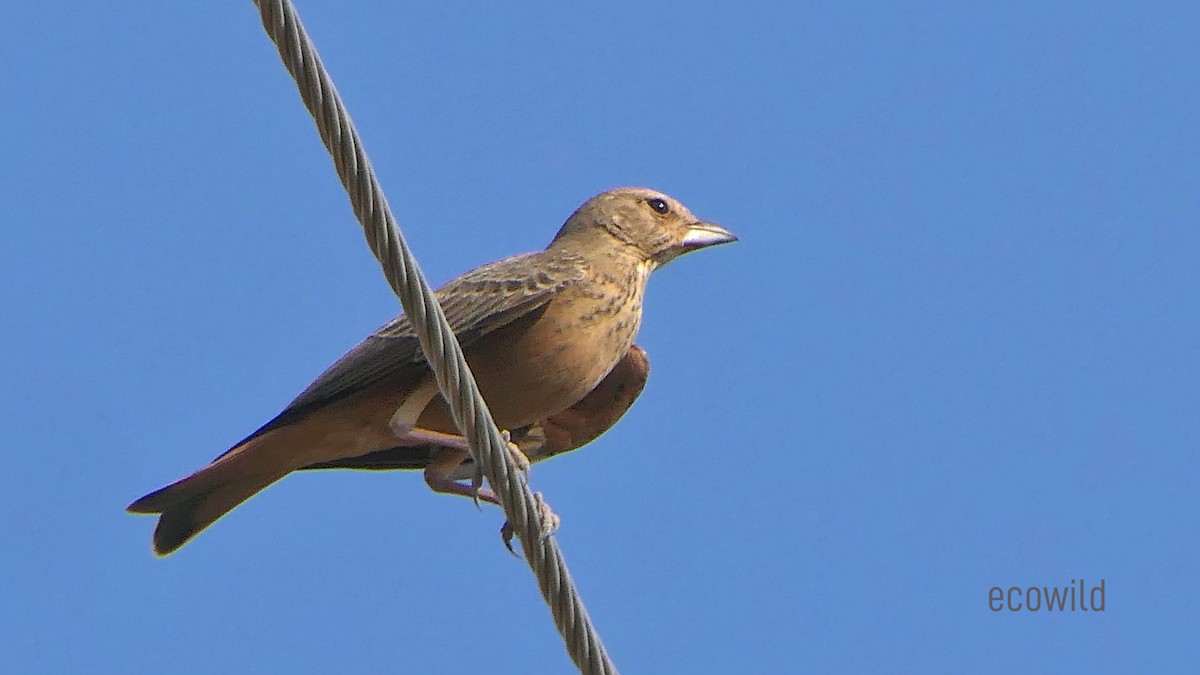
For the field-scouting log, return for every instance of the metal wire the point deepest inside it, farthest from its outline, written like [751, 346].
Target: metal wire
[441, 348]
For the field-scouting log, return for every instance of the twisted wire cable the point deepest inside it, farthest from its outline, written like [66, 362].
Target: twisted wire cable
[441, 348]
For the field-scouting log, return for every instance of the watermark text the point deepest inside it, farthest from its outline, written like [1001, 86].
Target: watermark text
[1076, 596]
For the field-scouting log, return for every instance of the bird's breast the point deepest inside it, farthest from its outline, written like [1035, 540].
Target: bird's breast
[543, 364]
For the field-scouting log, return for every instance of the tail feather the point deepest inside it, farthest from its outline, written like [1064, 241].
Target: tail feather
[190, 505]
[195, 512]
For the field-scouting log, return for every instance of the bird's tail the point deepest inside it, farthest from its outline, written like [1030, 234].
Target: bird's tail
[193, 503]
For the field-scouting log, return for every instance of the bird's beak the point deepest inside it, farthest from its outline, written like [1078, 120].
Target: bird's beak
[699, 235]
[702, 235]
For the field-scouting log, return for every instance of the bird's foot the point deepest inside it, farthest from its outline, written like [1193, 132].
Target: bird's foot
[514, 451]
[439, 481]
[548, 519]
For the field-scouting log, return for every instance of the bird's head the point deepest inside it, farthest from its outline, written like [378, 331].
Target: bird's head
[641, 222]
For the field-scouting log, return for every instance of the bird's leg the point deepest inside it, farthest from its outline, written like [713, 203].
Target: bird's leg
[439, 476]
[404, 426]
[404, 420]
[452, 448]
[447, 460]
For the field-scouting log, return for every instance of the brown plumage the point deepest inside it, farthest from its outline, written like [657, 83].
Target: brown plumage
[548, 336]
[568, 430]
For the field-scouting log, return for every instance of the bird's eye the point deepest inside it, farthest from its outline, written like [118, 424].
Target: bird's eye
[659, 205]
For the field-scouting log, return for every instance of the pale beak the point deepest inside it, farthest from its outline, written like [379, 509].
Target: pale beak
[702, 235]
[699, 235]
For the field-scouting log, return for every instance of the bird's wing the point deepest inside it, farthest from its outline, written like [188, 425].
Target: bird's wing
[568, 430]
[475, 304]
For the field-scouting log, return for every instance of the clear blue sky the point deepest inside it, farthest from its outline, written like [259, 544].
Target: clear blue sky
[956, 347]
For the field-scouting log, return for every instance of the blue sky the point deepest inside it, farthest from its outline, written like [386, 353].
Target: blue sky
[955, 348]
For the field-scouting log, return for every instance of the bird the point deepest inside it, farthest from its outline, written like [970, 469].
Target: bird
[549, 337]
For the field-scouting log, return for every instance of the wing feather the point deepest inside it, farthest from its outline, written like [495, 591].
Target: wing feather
[476, 303]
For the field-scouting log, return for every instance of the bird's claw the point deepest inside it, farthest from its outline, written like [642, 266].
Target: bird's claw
[506, 534]
[547, 518]
[476, 486]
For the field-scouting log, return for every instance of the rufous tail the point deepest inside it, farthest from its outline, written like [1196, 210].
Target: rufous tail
[193, 503]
